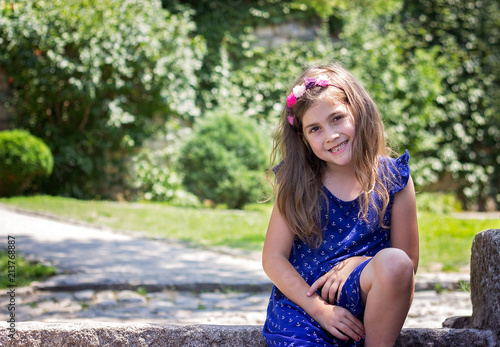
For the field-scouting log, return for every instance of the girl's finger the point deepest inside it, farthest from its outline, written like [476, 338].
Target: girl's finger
[351, 330]
[326, 290]
[332, 293]
[355, 325]
[359, 324]
[350, 325]
[356, 335]
[339, 290]
[316, 285]
[336, 333]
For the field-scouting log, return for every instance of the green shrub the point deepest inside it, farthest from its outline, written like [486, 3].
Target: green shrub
[22, 158]
[223, 160]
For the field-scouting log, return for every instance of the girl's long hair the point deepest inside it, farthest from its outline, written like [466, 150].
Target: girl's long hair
[298, 179]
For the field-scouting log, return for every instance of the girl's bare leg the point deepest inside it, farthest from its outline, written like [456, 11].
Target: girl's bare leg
[387, 286]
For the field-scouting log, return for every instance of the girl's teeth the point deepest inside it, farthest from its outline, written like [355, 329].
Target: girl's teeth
[336, 149]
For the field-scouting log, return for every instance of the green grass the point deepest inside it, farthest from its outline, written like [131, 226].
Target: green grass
[208, 227]
[445, 241]
[21, 271]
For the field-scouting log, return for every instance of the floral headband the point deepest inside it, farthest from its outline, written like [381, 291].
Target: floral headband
[299, 90]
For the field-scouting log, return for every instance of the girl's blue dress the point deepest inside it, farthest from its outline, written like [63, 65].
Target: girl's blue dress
[344, 236]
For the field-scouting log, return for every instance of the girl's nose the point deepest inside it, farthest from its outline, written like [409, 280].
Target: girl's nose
[331, 136]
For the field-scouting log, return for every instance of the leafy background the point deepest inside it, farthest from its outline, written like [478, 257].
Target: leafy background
[110, 85]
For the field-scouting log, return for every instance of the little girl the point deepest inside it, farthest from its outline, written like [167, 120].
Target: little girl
[342, 242]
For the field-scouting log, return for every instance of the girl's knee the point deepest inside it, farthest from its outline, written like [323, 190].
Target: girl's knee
[394, 268]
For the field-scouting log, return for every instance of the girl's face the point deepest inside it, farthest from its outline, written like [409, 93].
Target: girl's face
[329, 130]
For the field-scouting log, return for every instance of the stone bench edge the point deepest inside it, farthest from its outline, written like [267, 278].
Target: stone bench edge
[85, 334]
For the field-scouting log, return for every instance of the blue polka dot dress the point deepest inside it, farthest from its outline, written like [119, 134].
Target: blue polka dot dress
[344, 236]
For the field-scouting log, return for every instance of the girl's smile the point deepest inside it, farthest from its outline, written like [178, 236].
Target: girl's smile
[329, 129]
[339, 147]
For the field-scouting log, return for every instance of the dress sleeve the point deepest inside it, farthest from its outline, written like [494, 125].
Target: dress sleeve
[277, 167]
[401, 172]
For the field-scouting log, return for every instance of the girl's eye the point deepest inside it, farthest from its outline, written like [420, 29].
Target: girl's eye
[337, 118]
[313, 129]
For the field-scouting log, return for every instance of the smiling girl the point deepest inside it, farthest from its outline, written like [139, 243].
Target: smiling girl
[342, 243]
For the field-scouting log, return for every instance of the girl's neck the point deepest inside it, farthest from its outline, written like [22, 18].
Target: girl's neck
[342, 183]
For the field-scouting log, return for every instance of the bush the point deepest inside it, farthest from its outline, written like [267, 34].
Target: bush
[22, 157]
[93, 78]
[223, 160]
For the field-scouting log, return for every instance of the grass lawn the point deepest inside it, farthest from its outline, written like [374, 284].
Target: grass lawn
[200, 226]
[444, 240]
[447, 241]
[21, 272]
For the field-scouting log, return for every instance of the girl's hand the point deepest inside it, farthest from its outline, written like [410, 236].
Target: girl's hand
[332, 282]
[341, 323]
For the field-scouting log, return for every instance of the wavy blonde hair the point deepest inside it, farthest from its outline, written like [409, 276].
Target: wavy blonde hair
[298, 180]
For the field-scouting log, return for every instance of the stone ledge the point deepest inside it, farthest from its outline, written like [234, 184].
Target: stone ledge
[122, 334]
[64, 283]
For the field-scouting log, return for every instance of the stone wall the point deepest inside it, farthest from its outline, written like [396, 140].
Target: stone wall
[278, 34]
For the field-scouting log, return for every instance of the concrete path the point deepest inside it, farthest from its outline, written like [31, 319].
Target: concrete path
[101, 271]
[94, 258]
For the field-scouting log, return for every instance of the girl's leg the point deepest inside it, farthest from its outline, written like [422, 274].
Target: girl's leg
[387, 286]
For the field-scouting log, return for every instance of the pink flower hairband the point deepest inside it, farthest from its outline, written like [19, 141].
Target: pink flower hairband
[299, 90]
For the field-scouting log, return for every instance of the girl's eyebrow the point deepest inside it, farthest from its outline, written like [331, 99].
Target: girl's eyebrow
[336, 113]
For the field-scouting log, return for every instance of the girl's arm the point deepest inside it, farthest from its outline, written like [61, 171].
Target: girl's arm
[404, 228]
[275, 255]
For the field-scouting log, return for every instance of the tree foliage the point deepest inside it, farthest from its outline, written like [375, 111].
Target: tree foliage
[431, 66]
[96, 73]
[466, 38]
[228, 28]
[89, 76]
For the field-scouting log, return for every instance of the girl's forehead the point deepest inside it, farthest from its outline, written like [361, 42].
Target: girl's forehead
[326, 105]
